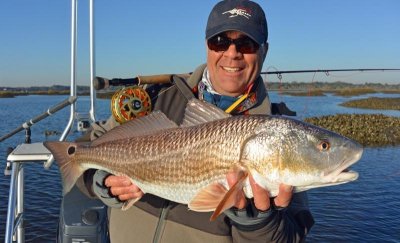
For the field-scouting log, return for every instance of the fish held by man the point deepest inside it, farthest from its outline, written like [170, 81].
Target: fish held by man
[188, 163]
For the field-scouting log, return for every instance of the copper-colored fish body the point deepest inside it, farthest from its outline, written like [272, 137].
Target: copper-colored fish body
[188, 164]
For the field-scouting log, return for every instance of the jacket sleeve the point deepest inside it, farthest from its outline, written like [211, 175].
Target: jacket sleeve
[102, 192]
[288, 225]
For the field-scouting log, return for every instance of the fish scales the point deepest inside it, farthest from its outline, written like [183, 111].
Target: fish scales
[186, 158]
[186, 155]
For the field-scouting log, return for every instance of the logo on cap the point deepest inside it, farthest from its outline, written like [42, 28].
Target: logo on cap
[238, 12]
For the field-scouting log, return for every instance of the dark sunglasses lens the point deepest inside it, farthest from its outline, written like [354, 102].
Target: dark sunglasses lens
[243, 45]
[218, 43]
[246, 45]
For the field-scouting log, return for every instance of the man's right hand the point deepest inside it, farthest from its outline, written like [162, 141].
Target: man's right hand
[123, 188]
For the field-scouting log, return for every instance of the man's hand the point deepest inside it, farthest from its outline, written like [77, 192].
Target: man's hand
[261, 196]
[123, 188]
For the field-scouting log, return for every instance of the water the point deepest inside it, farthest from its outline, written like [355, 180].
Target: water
[366, 210]
[42, 187]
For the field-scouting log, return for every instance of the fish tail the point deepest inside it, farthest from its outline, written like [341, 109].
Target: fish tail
[64, 154]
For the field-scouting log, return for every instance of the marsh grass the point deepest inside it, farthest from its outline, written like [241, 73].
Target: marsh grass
[314, 92]
[6, 94]
[353, 91]
[374, 103]
[373, 130]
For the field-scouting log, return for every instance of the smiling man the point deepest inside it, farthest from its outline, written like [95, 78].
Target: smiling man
[237, 44]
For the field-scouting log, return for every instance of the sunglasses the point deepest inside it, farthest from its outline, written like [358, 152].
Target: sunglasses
[244, 45]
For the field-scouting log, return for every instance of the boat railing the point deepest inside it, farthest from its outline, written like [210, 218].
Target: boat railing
[36, 152]
[23, 153]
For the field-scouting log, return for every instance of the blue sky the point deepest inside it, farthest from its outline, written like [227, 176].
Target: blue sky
[153, 37]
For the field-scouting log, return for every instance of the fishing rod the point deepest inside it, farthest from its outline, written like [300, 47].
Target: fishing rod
[103, 83]
[331, 70]
[49, 112]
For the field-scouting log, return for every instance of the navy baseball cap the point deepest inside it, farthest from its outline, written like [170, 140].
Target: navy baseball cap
[239, 15]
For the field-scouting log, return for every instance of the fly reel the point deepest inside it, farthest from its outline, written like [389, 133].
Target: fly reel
[129, 103]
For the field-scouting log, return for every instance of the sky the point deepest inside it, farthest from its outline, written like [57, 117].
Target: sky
[155, 37]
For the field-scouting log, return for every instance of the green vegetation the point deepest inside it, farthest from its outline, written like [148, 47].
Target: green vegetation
[354, 91]
[10, 92]
[394, 91]
[374, 103]
[330, 86]
[315, 92]
[105, 95]
[6, 94]
[368, 129]
[289, 88]
[336, 88]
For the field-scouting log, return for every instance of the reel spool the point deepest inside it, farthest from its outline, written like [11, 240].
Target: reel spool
[129, 103]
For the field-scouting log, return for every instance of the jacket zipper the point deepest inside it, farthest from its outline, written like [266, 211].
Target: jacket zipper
[161, 222]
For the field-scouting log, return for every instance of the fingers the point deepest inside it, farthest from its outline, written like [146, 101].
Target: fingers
[128, 196]
[117, 181]
[284, 196]
[123, 188]
[240, 200]
[261, 196]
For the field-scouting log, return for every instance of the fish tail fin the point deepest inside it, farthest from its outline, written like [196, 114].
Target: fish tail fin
[64, 154]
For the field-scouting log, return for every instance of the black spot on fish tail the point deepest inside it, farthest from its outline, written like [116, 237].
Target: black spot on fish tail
[71, 150]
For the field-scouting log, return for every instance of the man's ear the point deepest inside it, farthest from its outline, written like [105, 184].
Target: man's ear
[265, 48]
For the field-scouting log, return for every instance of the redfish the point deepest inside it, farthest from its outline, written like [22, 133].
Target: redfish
[188, 163]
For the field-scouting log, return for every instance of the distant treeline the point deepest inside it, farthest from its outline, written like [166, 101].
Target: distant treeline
[300, 86]
[318, 87]
[56, 88]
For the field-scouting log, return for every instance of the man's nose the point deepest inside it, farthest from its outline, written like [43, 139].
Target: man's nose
[232, 52]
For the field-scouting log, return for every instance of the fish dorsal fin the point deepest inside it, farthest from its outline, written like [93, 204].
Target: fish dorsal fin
[154, 122]
[198, 112]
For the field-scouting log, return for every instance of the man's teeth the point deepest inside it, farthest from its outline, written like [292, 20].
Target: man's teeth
[230, 69]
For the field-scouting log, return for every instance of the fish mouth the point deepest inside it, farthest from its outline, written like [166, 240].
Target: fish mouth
[342, 173]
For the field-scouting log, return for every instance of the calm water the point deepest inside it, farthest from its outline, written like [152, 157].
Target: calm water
[366, 210]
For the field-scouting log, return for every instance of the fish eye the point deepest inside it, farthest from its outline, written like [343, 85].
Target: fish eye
[324, 146]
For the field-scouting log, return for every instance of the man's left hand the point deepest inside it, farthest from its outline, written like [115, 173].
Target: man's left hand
[261, 196]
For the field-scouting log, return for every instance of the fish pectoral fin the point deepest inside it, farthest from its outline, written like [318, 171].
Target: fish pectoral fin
[215, 197]
[231, 197]
[128, 204]
[208, 198]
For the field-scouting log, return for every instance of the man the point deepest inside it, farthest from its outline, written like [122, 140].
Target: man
[236, 40]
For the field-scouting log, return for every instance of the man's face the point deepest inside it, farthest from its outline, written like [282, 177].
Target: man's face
[232, 71]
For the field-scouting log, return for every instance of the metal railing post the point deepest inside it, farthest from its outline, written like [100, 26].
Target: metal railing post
[12, 202]
[20, 205]
[92, 62]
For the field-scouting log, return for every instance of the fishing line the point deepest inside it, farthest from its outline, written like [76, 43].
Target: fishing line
[310, 87]
[279, 76]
